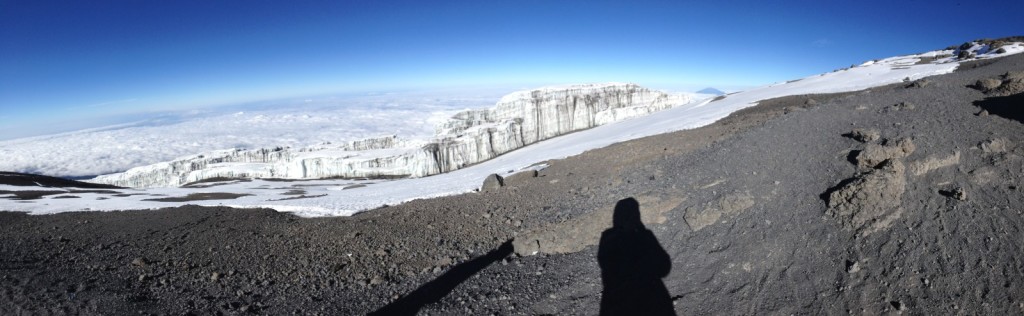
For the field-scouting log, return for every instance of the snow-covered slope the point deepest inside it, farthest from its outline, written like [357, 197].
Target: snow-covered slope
[345, 197]
[469, 137]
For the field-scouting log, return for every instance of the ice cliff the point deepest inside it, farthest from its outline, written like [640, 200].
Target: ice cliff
[518, 119]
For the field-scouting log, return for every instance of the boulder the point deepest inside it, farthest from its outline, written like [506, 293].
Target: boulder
[492, 183]
[986, 85]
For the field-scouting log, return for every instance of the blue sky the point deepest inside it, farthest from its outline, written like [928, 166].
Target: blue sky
[73, 64]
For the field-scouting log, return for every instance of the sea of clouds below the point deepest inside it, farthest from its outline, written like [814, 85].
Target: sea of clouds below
[270, 124]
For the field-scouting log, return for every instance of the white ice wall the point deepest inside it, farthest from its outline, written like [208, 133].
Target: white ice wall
[519, 119]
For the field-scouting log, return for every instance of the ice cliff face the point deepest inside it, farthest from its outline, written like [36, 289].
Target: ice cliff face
[519, 119]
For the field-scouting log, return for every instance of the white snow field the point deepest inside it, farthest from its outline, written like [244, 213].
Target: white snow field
[347, 197]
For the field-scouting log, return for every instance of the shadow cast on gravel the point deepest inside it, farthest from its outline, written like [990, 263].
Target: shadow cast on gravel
[632, 265]
[435, 290]
[1010, 107]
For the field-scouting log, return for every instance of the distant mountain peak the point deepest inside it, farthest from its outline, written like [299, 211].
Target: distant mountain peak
[710, 90]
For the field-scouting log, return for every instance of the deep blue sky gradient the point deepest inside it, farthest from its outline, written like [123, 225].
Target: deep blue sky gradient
[70, 63]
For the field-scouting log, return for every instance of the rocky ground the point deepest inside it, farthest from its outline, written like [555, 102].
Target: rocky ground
[903, 198]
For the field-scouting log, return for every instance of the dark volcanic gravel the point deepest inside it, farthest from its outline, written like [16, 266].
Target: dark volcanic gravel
[771, 210]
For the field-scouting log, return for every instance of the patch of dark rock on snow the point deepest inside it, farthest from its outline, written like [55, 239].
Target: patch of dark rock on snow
[200, 197]
[24, 179]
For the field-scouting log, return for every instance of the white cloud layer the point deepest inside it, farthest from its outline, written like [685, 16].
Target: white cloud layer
[297, 124]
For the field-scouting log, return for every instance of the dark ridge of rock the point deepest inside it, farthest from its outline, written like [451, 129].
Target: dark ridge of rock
[200, 197]
[24, 179]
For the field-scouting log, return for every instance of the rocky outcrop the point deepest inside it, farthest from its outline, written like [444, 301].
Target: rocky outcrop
[1009, 83]
[871, 199]
[469, 137]
[875, 154]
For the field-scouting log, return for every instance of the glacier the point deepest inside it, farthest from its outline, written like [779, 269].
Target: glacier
[468, 137]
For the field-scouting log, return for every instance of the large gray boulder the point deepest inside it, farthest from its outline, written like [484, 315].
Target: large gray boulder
[492, 183]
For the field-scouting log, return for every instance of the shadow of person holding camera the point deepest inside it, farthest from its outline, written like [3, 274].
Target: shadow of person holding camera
[632, 265]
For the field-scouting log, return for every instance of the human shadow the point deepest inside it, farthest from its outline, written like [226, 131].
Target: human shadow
[632, 265]
[1011, 107]
[435, 290]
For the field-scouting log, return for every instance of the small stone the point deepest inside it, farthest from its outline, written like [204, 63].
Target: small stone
[905, 106]
[376, 280]
[921, 83]
[983, 113]
[957, 193]
[960, 194]
[215, 276]
[852, 267]
[139, 262]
